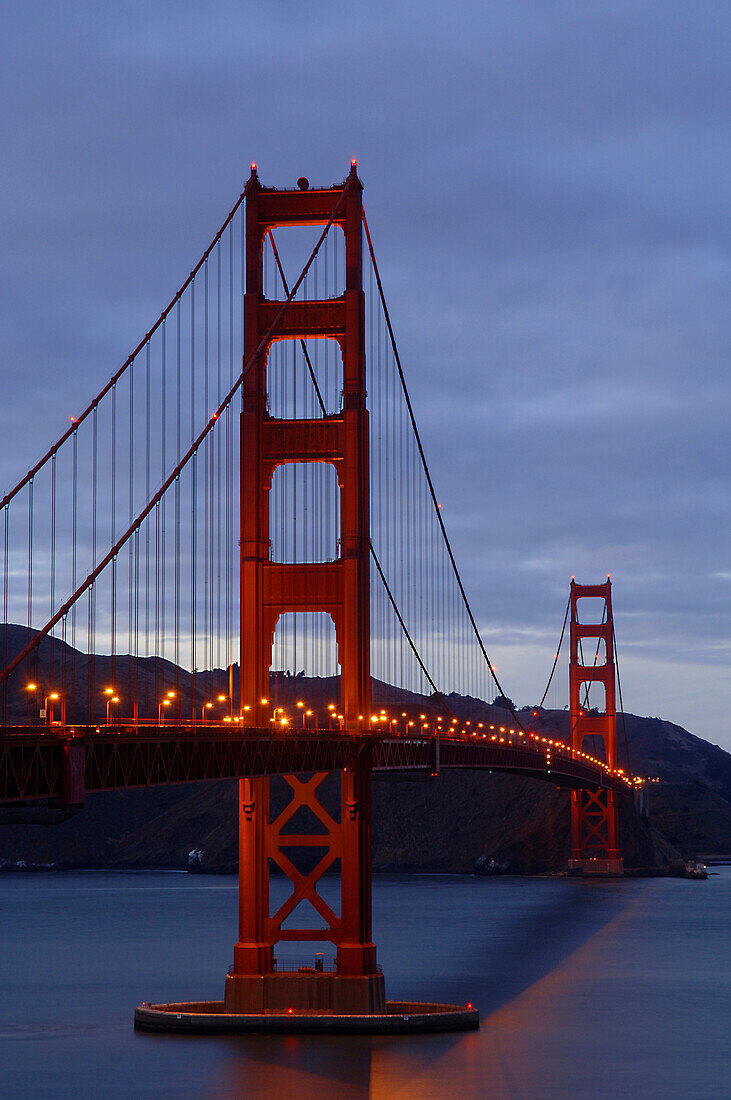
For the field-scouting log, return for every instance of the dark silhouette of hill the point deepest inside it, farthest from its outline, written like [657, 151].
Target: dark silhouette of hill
[447, 823]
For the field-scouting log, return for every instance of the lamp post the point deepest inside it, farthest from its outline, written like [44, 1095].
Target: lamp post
[109, 693]
[31, 689]
[204, 708]
[50, 698]
[161, 712]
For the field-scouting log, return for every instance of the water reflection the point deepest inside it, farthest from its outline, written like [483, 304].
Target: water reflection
[585, 989]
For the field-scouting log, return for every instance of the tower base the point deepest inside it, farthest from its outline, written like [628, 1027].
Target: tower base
[587, 867]
[305, 991]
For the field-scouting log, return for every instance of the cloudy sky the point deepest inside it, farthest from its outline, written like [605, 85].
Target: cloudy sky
[547, 185]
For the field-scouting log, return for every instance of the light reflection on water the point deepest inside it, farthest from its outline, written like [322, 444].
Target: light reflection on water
[584, 989]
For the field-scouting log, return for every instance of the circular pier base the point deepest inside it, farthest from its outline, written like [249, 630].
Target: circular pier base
[400, 1018]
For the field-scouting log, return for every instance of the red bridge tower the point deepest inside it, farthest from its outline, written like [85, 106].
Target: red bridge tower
[338, 588]
[594, 842]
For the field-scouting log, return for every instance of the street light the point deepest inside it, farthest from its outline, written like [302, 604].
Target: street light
[160, 712]
[111, 697]
[51, 697]
[31, 688]
[204, 708]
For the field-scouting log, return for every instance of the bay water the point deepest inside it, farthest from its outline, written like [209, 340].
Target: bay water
[585, 989]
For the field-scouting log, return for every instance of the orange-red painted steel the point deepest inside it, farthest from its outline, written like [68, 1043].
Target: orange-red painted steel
[338, 588]
[58, 765]
[594, 842]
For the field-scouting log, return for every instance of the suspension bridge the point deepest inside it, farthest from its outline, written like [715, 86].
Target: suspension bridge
[233, 564]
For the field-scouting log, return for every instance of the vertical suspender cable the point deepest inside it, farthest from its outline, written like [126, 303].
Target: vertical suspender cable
[113, 489]
[6, 545]
[53, 558]
[74, 525]
[162, 653]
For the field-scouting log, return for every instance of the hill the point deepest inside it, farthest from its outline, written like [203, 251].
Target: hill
[450, 823]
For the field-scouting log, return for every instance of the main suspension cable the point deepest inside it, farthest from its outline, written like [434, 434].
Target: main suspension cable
[376, 561]
[621, 702]
[78, 420]
[111, 555]
[558, 653]
[427, 474]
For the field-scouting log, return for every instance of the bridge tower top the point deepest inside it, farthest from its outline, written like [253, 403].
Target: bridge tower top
[339, 588]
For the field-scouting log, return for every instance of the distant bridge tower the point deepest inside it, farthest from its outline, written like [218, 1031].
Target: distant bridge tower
[338, 588]
[594, 841]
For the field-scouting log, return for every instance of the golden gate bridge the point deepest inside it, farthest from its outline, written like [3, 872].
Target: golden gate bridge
[244, 523]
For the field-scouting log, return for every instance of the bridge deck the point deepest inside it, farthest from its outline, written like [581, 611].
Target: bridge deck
[59, 765]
